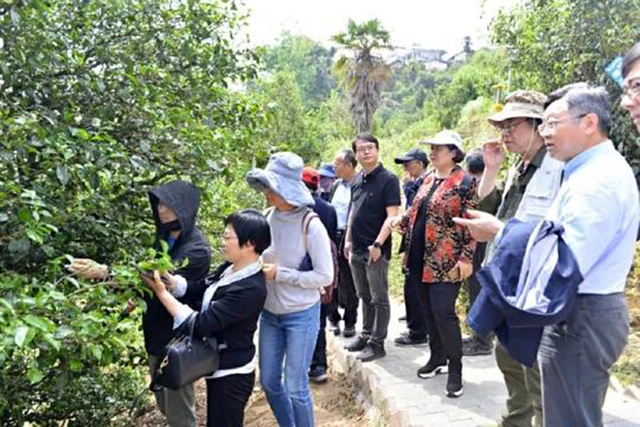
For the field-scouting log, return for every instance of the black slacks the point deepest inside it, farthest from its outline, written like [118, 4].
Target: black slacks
[439, 305]
[320, 351]
[413, 308]
[226, 399]
[345, 296]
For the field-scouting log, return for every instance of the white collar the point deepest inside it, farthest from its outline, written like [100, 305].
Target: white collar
[228, 277]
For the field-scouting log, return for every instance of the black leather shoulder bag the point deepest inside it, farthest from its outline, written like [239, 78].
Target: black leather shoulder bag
[188, 358]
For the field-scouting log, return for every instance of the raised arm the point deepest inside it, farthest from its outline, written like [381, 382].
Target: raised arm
[493, 155]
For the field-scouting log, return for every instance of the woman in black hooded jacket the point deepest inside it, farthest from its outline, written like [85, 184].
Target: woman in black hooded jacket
[174, 206]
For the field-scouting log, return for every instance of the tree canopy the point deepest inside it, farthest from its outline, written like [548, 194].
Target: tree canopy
[364, 74]
[551, 43]
[100, 101]
[309, 61]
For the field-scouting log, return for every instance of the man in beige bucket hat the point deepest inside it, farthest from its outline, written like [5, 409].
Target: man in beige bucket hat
[530, 188]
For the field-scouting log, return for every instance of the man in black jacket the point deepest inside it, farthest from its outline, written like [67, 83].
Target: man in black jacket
[174, 206]
[414, 163]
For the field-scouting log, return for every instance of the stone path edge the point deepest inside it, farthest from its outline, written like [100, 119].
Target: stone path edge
[372, 396]
[374, 399]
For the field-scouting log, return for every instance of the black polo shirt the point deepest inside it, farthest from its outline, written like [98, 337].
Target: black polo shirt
[371, 194]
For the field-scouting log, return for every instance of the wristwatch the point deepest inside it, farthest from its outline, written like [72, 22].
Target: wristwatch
[377, 245]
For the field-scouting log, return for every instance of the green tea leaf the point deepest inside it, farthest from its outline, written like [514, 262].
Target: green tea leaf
[21, 335]
[63, 174]
[35, 375]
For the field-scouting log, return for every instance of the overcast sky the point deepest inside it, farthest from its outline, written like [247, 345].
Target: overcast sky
[431, 24]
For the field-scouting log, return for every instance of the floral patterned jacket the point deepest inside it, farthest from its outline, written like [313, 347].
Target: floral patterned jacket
[446, 242]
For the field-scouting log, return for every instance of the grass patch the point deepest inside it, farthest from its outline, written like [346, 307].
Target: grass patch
[396, 277]
[627, 368]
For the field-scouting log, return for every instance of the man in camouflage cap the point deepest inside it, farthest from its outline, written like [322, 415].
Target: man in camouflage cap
[530, 188]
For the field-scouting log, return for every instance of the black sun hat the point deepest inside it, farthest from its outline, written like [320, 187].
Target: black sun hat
[413, 154]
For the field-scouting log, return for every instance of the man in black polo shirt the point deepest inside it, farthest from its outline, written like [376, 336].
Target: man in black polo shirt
[375, 200]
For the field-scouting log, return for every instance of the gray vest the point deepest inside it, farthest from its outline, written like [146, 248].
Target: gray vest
[540, 193]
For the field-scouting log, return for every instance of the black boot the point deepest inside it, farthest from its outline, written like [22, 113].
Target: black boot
[432, 368]
[454, 381]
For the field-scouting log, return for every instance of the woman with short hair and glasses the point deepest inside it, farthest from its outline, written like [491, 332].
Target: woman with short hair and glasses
[231, 300]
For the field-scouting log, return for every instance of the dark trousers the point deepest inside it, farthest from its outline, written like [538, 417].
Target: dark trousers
[575, 357]
[415, 317]
[346, 296]
[333, 314]
[226, 399]
[372, 283]
[439, 305]
[474, 287]
[320, 352]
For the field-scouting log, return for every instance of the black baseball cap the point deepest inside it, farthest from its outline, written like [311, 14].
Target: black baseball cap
[413, 154]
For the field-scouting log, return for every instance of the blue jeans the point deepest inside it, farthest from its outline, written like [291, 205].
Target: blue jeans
[286, 344]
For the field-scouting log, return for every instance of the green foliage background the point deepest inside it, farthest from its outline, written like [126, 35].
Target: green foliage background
[551, 43]
[100, 101]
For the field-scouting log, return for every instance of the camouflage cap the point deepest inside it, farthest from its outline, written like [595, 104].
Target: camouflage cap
[521, 103]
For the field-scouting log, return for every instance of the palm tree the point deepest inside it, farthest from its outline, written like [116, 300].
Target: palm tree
[364, 74]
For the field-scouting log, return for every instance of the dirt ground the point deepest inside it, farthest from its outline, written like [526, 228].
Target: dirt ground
[334, 405]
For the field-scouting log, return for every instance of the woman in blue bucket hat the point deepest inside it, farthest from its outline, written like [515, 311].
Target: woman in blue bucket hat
[297, 265]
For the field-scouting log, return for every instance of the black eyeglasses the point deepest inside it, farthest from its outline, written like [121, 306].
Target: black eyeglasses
[366, 148]
[632, 90]
[551, 125]
[508, 130]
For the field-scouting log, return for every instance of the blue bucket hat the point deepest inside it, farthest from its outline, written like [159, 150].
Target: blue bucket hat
[283, 175]
[327, 170]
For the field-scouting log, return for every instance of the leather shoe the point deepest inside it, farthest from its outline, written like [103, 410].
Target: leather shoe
[371, 352]
[358, 345]
[408, 340]
[349, 331]
[477, 349]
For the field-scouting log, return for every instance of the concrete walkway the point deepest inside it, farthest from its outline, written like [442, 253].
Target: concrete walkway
[391, 385]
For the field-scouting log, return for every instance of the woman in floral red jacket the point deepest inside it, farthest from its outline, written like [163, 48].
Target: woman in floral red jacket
[439, 254]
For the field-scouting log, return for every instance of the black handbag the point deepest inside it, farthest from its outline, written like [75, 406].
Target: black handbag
[188, 359]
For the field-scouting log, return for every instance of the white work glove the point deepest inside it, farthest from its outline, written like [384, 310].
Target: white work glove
[88, 269]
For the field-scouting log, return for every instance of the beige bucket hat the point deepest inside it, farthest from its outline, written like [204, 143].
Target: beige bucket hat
[521, 103]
